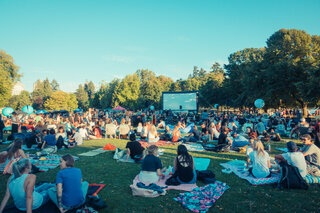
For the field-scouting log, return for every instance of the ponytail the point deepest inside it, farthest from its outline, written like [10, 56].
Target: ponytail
[19, 166]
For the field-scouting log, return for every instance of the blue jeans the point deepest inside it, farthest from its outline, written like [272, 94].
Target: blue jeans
[44, 191]
[53, 196]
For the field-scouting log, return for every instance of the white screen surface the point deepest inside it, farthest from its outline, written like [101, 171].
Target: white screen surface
[180, 101]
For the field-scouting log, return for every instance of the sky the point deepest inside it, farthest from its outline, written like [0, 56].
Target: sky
[74, 41]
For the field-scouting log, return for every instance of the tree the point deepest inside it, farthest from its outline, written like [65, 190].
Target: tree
[19, 101]
[90, 89]
[244, 77]
[128, 92]
[82, 97]
[55, 85]
[5, 86]
[8, 75]
[7, 64]
[108, 92]
[41, 92]
[60, 100]
[210, 92]
[292, 61]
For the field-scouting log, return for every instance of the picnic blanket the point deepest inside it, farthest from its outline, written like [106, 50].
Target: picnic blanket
[188, 128]
[145, 144]
[93, 152]
[312, 179]
[161, 183]
[51, 162]
[282, 149]
[240, 171]
[201, 163]
[202, 198]
[194, 147]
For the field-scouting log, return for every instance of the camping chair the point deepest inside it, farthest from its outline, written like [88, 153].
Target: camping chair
[110, 130]
[124, 130]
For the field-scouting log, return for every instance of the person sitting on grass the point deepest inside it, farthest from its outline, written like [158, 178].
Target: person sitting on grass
[294, 158]
[194, 136]
[223, 139]
[239, 141]
[151, 166]
[260, 161]
[71, 191]
[274, 136]
[96, 133]
[139, 129]
[21, 187]
[161, 124]
[153, 136]
[49, 145]
[312, 155]
[144, 131]
[13, 153]
[176, 134]
[75, 139]
[184, 166]
[134, 149]
[251, 133]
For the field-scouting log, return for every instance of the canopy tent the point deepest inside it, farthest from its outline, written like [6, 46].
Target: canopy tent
[119, 108]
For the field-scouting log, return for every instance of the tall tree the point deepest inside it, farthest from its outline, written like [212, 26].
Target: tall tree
[127, 94]
[292, 58]
[55, 85]
[82, 97]
[8, 75]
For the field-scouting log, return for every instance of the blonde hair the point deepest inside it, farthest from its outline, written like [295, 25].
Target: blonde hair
[152, 149]
[258, 146]
[19, 166]
[153, 129]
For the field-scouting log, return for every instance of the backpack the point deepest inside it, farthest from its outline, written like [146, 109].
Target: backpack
[291, 178]
[206, 176]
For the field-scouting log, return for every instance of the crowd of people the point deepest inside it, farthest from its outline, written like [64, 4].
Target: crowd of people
[239, 131]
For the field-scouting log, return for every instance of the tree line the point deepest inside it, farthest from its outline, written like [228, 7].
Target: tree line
[284, 73]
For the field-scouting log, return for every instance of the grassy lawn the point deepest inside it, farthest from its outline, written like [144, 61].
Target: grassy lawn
[241, 197]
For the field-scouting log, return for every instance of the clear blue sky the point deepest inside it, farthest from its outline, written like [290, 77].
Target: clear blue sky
[77, 40]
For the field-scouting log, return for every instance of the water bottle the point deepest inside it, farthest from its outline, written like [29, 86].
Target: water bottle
[269, 147]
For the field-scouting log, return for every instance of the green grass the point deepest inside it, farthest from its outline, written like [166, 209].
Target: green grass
[241, 197]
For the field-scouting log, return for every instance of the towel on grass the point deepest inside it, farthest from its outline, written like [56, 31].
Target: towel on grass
[201, 163]
[194, 147]
[202, 198]
[93, 152]
[162, 183]
[240, 171]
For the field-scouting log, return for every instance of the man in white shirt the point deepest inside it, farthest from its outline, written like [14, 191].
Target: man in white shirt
[294, 158]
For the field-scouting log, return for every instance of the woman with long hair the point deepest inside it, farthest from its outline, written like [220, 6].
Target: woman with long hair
[21, 186]
[184, 166]
[13, 154]
[260, 161]
[153, 136]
